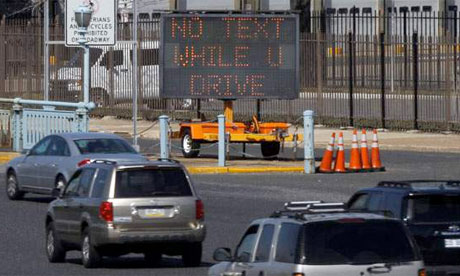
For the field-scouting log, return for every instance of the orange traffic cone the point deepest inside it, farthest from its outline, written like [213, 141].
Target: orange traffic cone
[326, 162]
[339, 165]
[355, 158]
[365, 152]
[375, 154]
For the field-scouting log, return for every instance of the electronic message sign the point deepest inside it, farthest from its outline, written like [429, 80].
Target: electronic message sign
[229, 56]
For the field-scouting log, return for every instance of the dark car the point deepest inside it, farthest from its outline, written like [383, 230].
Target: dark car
[430, 209]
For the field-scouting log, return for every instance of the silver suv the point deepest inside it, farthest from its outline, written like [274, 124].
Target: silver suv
[110, 209]
[313, 238]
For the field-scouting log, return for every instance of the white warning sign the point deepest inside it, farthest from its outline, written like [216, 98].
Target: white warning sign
[103, 27]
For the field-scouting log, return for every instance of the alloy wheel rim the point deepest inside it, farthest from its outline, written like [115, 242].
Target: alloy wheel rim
[85, 248]
[50, 243]
[11, 186]
[187, 144]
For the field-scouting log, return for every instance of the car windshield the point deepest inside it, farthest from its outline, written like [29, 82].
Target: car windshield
[162, 182]
[109, 146]
[356, 241]
[436, 208]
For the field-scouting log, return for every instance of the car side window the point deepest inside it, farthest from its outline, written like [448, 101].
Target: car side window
[86, 179]
[99, 183]
[393, 203]
[375, 201]
[58, 147]
[359, 202]
[41, 147]
[72, 187]
[246, 246]
[288, 242]
[265, 244]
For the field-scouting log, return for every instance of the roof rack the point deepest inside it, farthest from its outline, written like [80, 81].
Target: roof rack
[409, 184]
[102, 161]
[168, 160]
[297, 209]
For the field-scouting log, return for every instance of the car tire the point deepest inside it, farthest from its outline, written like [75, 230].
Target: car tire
[60, 182]
[191, 256]
[12, 188]
[90, 257]
[153, 258]
[190, 148]
[54, 249]
[270, 149]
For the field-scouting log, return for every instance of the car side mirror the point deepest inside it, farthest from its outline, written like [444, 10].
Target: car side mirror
[56, 192]
[223, 255]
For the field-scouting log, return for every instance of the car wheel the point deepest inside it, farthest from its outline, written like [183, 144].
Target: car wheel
[54, 249]
[60, 182]
[270, 149]
[153, 258]
[192, 254]
[12, 188]
[90, 257]
[190, 148]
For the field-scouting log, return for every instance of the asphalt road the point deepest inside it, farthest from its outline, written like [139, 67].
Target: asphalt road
[231, 202]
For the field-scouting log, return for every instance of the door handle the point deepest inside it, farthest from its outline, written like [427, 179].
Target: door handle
[53, 165]
[36, 164]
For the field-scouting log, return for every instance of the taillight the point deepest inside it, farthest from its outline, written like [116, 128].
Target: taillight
[106, 211]
[83, 162]
[422, 272]
[199, 209]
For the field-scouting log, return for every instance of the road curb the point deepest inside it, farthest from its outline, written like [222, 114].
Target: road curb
[5, 157]
[243, 170]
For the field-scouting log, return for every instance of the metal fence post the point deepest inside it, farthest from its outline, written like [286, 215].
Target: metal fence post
[309, 142]
[17, 128]
[350, 76]
[415, 77]
[221, 120]
[82, 119]
[382, 76]
[164, 148]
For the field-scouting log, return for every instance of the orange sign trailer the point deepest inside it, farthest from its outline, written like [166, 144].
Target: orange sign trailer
[269, 135]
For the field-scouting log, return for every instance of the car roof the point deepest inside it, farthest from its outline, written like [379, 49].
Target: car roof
[323, 217]
[88, 135]
[417, 187]
[314, 211]
[135, 164]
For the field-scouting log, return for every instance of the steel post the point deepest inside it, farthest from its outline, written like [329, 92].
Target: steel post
[17, 128]
[309, 141]
[164, 148]
[135, 75]
[46, 50]
[86, 73]
[222, 151]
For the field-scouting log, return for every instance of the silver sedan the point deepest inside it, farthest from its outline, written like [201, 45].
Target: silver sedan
[54, 159]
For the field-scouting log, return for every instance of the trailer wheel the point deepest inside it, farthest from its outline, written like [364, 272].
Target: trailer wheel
[190, 148]
[270, 149]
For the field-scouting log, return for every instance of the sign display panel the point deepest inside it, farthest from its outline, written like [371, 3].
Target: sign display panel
[103, 27]
[229, 56]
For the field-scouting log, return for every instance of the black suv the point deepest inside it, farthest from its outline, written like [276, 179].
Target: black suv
[430, 209]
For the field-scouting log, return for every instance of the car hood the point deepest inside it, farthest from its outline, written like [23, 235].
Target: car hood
[16, 160]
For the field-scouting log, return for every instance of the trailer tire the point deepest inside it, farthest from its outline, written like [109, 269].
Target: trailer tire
[190, 148]
[270, 149]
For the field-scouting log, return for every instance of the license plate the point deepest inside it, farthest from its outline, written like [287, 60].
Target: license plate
[452, 243]
[153, 213]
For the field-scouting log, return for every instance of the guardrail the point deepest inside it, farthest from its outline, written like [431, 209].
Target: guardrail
[29, 125]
